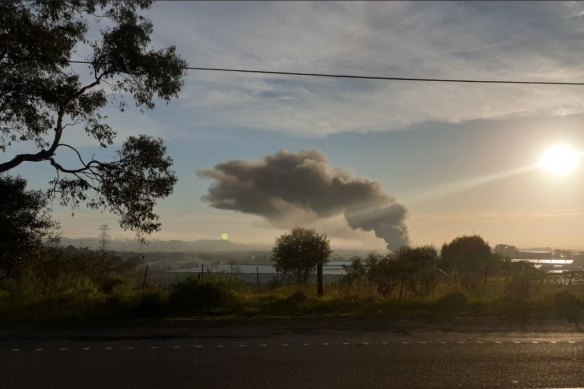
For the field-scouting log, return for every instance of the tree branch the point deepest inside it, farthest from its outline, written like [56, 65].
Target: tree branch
[46, 154]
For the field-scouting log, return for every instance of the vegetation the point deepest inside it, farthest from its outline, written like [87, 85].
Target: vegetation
[43, 96]
[468, 258]
[25, 225]
[58, 284]
[296, 254]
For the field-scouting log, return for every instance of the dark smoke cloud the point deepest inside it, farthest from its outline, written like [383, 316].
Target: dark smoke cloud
[285, 184]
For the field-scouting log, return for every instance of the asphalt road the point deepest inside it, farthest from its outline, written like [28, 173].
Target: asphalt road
[291, 357]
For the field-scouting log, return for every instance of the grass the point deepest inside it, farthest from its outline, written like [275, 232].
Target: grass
[79, 298]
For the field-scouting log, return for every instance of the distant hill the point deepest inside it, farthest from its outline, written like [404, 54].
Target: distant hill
[196, 246]
[202, 245]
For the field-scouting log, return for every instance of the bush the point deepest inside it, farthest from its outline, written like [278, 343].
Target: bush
[296, 298]
[522, 283]
[453, 302]
[567, 305]
[192, 295]
[152, 302]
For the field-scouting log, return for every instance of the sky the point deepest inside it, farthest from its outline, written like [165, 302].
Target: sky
[457, 158]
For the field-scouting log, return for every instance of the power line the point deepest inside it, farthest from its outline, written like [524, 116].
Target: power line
[103, 237]
[381, 78]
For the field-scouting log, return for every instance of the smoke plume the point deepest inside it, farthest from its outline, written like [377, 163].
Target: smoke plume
[284, 185]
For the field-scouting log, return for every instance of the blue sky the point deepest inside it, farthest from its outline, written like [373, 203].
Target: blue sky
[423, 143]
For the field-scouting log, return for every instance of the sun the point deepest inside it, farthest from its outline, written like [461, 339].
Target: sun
[560, 160]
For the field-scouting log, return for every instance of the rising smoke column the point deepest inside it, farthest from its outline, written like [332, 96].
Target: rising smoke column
[285, 184]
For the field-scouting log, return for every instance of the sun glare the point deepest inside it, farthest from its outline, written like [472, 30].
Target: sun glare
[560, 160]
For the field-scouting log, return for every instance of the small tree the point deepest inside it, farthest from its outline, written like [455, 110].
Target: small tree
[383, 272]
[25, 223]
[414, 267]
[470, 258]
[297, 253]
[417, 266]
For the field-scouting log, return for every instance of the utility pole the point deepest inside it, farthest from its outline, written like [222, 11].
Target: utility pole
[103, 237]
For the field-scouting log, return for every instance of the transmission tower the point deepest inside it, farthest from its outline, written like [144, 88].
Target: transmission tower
[103, 237]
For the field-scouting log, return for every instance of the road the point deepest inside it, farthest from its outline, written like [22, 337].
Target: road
[291, 356]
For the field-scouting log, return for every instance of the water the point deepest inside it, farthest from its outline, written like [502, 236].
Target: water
[335, 267]
[332, 272]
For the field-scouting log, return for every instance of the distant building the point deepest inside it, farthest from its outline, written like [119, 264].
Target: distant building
[545, 260]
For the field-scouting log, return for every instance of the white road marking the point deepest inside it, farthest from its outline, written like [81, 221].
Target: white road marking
[327, 344]
[15, 349]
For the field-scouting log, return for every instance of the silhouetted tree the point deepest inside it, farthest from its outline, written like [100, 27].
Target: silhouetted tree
[417, 267]
[506, 251]
[410, 267]
[469, 257]
[383, 271]
[43, 97]
[297, 253]
[25, 224]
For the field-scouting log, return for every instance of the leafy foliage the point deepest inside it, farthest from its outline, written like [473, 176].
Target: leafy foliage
[297, 253]
[192, 295]
[25, 224]
[469, 259]
[418, 267]
[468, 254]
[42, 94]
[414, 266]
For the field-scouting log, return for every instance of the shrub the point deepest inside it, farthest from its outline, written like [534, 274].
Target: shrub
[567, 305]
[192, 295]
[153, 302]
[453, 302]
[296, 298]
[522, 282]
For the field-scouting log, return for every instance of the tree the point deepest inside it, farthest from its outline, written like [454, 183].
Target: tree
[44, 96]
[383, 272]
[25, 224]
[417, 267]
[506, 251]
[413, 266]
[296, 254]
[470, 258]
